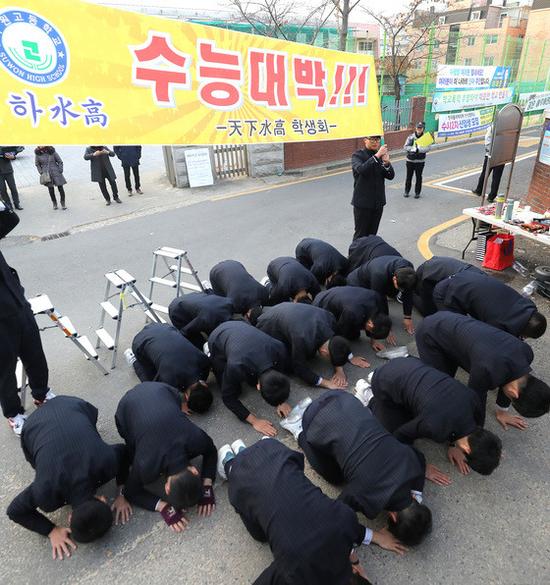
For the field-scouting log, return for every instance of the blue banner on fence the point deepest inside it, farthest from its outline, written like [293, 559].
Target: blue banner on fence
[465, 122]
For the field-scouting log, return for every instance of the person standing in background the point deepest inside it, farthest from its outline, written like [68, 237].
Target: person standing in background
[50, 165]
[129, 157]
[102, 170]
[371, 167]
[497, 171]
[7, 178]
[416, 159]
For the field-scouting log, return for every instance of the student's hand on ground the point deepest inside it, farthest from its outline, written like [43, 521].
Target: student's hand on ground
[409, 326]
[264, 427]
[359, 570]
[458, 459]
[386, 540]
[377, 345]
[331, 384]
[506, 420]
[436, 476]
[391, 339]
[61, 543]
[283, 410]
[185, 408]
[207, 503]
[122, 509]
[180, 526]
[359, 361]
[339, 378]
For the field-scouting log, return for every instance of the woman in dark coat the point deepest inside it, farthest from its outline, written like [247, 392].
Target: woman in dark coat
[48, 161]
[129, 157]
[102, 170]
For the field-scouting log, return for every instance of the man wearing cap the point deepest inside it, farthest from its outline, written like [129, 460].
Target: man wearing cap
[416, 159]
[371, 167]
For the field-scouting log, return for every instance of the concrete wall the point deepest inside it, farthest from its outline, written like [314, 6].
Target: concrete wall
[265, 159]
[176, 168]
[539, 191]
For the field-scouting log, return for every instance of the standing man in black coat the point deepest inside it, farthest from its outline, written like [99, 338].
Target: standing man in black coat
[102, 170]
[161, 442]
[129, 157]
[19, 338]
[7, 178]
[492, 357]
[290, 281]
[371, 168]
[323, 260]
[71, 462]
[366, 248]
[416, 159]
[311, 536]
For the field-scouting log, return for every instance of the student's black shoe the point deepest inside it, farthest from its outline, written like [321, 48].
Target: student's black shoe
[417, 196]
[476, 192]
[19, 208]
[490, 200]
[117, 199]
[108, 203]
[405, 194]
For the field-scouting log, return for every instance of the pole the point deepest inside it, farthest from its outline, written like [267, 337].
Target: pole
[483, 50]
[541, 58]
[505, 56]
[382, 66]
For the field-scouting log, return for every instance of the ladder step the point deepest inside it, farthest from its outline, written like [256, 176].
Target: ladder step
[152, 318]
[105, 338]
[163, 281]
[190, 286]
[114, 279]
[110, 309]
[168, 252]
[159, 308]
[40, 304]
[85, 342]
[71, 329]
[125, 276]
[183, 269]
[147, 300]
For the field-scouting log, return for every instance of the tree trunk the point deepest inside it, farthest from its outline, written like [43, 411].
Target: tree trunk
[344, 25]
[397, 92]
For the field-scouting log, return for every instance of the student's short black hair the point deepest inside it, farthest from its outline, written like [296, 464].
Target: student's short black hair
[305, 300]
[339, 350]
[486, 450]
[274, 387]
[413, 524]
[200, 398]
[536, 326]
[336, 280]
[381, 326]
[534, 398]
[185, 489]
[406, 278]
[254, 315]
[90, 520]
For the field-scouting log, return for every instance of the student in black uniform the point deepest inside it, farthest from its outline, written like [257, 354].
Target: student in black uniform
[71, 462]
[197, 314]
[290, 281]
[241, 353]
[486, 299]
[389, 276]
[230, 279]
[415, 401]
[19, 338]
[366, 248]
[306, 330]
[161, 353]
[161, 442]
[429, 274]
[324, 261]
[312, 537]
[357, 309]
[492, 357]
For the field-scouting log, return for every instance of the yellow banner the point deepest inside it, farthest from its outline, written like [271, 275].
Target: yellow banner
[77, 73]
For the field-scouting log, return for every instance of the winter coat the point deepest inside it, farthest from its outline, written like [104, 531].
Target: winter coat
[5, 163]
[369, 177]
[129, 155]
[415, 153]
[47, 159]
[100, 166]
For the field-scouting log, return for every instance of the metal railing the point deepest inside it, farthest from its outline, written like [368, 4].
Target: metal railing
[396, 116]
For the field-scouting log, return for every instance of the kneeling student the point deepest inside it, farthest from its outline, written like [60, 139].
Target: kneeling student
[161, 353]
[71, 461]
[366, 248]
[324, 261]
[290, 281]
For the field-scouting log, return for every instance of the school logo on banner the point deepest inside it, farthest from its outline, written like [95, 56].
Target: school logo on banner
[31, 48]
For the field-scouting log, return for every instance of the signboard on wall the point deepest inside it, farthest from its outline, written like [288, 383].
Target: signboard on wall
[199, 167]
[536, 101]
[460, 77]
[448, 101]
[464, 122]
[544, 155]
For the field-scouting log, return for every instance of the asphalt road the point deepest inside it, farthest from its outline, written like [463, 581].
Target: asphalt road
[486, 530]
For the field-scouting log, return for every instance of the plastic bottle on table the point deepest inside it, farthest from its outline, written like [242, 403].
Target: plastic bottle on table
[500, 206]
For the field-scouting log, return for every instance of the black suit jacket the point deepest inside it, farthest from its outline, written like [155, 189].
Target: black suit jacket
[288, 277]
[352, 306]
[231, 279]
[177, 362]
[310, 535]
[379, 471]
[199, 312]
[321, 258]
[71, 461]
[12, 295]
[240, 353]
[366, 248]
[486, 299]
[369, 178]
[161, 439]
[303, 329]
[428, 403]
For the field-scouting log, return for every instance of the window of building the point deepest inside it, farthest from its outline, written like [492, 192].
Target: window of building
[470, 41]
[503, 15]
[488, 60]
[467, 62]
[492, 39]
[441, 20]
[476, 15]
[365, 46]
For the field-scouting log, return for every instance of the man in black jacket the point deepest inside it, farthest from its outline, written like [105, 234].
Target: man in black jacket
[290, 281]
[19, 338]
[432, 272]
[197, 314]
[7, 178]
[161, 353]
[161, 442]
[492, 357]
[241, 353]
[311, 536]
[487, 299]
[416, 159]
[306, 330]
[415, 401]
[323, 260]
[71, 462]
[366, 248]
[230, 279]
[371, 167]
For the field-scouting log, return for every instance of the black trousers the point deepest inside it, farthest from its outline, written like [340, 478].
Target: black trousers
[5, 182]
[19, 337]
[495, 183]
[104, 191]
[414, 168]
[51, 191]
[366, 221]
[135, 170]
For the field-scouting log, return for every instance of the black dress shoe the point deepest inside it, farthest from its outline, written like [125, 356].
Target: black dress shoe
[18, 207]
[117, 199]
[417, 196]
[475, 192]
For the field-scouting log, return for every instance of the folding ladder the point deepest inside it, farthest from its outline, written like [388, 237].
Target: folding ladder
[123, 283]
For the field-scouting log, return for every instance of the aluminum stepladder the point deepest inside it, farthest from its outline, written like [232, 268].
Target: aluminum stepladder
[123, 283]
[177, 264]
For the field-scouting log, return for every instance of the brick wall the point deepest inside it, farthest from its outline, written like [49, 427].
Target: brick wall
[538, 196]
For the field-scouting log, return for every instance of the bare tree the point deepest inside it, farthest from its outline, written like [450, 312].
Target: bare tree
[343, 9]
